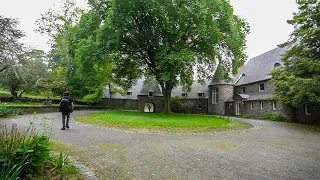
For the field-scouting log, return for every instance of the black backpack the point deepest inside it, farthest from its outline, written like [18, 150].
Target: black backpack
[65, 104]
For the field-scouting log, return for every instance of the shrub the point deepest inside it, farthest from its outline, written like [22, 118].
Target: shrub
[272, 117]
[187, 107]
[176, 104]
[5, 111]
[21, 151]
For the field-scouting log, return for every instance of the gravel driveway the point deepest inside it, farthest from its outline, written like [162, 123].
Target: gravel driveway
[271, 150]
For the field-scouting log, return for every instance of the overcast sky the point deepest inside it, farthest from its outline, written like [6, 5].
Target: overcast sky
[267, 19]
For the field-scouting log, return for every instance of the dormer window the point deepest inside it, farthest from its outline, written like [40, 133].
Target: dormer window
[129, 93]
[184, 95]
[243, 89]
[261, 87]
[277, 65]
[151, 93]
[200, 95]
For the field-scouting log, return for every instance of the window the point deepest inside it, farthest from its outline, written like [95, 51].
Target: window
[274, 105]
[215, 96]
[151, 94]
[277, 65]
[129, 93]
[261, 87]
[184, 95]
[230, 105]
[199, 106]
[307, 109]
[251, 105]
[243, 89]
[261, 105]
[200, 94]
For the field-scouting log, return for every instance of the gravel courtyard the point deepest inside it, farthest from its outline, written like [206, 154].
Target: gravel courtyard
[270, 150]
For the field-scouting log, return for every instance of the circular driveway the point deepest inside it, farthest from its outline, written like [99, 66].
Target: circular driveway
[270, 150]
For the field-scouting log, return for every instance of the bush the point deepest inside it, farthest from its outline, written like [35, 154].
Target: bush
[176, 104]
[187, 107]
[5, 111]
[272, 117]
[21, 151]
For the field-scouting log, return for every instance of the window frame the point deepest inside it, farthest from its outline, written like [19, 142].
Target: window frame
[202, 95]
[261, 105]
[243, 89]
[307, 110]
[184, 95]
[251, 105]
[199, 106]
[261, 90]
[215, 96]
[129, 93]
[152, 94]
[274, 105]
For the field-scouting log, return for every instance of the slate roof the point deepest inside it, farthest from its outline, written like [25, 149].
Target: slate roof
[154, 87]
[134, 89]
[193, 93]
[217, 81]
[256, 96]
[259, 68]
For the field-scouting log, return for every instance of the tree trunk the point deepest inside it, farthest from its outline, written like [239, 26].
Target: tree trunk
[166, 91]
[20, 95]
[109, 104]
[14, 94]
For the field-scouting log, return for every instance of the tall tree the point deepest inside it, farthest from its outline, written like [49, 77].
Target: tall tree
[168, 40]
[10, 46]
[299, 82]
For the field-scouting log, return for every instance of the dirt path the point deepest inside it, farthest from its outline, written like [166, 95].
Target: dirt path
[271, 150]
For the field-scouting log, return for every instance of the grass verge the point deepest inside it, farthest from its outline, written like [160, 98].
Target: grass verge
[155, 122]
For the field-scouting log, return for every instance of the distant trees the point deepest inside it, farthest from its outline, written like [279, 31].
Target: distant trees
[299, 82]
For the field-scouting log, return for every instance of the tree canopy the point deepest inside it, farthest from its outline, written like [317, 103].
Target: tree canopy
[299, 82]
[171, 41]
[10, 46]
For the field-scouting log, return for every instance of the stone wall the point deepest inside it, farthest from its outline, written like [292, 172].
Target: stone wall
[254, 87]
[225, 93]
[256, 111]
[119, 103]
[200, 105]
[156, 100]
[314, 118]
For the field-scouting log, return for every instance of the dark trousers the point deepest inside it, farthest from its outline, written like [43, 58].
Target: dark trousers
[64, 123]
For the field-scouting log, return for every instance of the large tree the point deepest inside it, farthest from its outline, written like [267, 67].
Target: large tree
[172, 41]
[299, 82]
[10, 46]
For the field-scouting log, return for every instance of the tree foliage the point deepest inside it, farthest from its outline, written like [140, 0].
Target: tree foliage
[170, 40]
[299, 82]
[10, 46]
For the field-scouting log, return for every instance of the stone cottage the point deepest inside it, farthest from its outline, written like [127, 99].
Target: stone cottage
[248, 94]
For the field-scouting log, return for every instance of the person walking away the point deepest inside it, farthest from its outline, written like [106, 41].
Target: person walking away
[66, 107]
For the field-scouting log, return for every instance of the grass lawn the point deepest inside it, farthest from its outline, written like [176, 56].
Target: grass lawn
[4, 93]
[154, 122]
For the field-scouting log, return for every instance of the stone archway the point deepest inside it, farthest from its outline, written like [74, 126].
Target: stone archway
[149, 107]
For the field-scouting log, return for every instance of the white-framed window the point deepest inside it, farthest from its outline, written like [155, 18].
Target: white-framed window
[261, 105]
[243, 89]
[151, 94]
[307, 110]
[129, 93]
[215, 96]
[261, 87]
[251, 104]
[274, 105]
[184, 95]
[199, 106]
[200, 95]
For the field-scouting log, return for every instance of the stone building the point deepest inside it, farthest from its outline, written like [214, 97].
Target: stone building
[248, 94]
